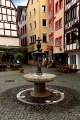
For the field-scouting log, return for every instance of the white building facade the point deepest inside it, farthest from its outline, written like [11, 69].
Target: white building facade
[22, 25]
[8, 25]
[72, 31]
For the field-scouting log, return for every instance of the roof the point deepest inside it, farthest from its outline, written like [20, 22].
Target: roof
[19, 11]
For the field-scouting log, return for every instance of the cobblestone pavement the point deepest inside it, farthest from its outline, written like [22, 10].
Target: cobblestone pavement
[11, 82]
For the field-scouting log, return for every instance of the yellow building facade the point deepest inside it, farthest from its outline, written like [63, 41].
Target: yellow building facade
[37, 25]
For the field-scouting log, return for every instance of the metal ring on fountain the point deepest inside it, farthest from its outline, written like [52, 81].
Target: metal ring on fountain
[21, 97]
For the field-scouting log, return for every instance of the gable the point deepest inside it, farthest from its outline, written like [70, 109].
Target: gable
[7, 3]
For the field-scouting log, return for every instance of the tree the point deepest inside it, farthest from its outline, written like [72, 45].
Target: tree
[19, 57]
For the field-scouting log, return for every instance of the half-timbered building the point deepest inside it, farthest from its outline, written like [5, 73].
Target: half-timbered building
[8, 26]
[72, 31]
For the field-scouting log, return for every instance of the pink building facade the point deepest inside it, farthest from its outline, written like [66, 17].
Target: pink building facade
[51, 29]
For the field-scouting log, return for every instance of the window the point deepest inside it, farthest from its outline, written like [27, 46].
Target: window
[34, 11]
[21, 31]
[44, 22]
[30, 14]
[43, 8]
[67, 1]
[68, 38]
[31, 1]
[67, 17]
[51, 41]
[60, 23]
[56, 10]
[25, 17]
[25, 29]
[25, 41]
[56, 25]
[73, 13]
[21, 42]
[56, 41]
[44, 37]
[73, 36]
[33, 39]
[30, 26]
[60, 4]
[72, 59]
[60, 40]
[50, 14]
[50, 27]
[34, 24]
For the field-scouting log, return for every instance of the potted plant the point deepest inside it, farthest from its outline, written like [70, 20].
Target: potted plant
[21, 70]
[19, 57]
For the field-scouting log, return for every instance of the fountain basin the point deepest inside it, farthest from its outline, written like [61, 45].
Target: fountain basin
[39, 81]
[39, 78]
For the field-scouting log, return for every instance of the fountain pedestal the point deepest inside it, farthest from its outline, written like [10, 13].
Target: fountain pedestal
[40, 91]
[39, 84]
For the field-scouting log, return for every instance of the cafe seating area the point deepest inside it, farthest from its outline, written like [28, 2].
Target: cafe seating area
[10, 66]
[67, 68]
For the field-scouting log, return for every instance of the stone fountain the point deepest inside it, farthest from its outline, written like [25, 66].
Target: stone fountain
[39, 92]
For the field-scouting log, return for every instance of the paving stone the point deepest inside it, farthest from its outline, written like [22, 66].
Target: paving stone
[12, 109]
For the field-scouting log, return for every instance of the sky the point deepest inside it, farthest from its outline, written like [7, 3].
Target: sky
[20, 2]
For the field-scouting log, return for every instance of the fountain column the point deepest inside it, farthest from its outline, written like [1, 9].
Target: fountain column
[40, 91]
